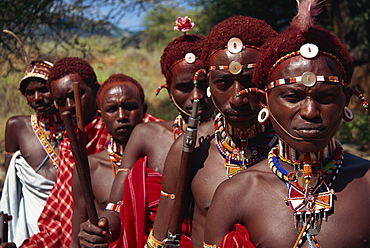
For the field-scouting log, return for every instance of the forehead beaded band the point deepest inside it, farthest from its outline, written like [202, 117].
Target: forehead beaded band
[196, 76]
[190, 58]
[309, 79]
[309, 51]
[234, 67]
[232, 46]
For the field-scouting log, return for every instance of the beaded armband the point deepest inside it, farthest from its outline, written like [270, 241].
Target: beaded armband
[167, 195]
[124, 170]
[114, 206]
[9, 153]
[152, 242]
[209, 246]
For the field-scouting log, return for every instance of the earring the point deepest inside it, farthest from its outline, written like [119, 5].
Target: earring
[263, 115]
[55, 105]
[209, 94]
[347, 114]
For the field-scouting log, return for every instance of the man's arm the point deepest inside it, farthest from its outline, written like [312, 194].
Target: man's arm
[169, 180]
[11, 138]
[79, 209]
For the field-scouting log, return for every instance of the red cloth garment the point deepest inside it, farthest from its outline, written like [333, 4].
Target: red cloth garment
[55, 222]
[142, 190]
[150, 118]
[237, 238]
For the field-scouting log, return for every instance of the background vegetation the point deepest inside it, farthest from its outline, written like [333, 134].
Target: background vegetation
[51, 29]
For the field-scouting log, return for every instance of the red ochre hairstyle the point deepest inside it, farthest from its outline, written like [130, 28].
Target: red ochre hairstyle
[118, 79]
[72, 65]
[176, 50]
[290, 41]
[250, 31]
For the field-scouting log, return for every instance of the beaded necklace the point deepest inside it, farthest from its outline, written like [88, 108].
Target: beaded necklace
[232, 143]
[115, 151]
[309, 195]
[49, 132]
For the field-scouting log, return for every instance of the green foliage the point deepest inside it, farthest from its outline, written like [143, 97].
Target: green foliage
[356, 131]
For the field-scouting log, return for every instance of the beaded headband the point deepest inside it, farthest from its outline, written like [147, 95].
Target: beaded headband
[310, 51]
[309, 79]
[37, 69]
[234, 67]
[190, 58]
[234, 45]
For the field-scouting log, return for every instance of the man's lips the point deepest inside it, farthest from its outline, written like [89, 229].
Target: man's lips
[317, 131]
[124, 128]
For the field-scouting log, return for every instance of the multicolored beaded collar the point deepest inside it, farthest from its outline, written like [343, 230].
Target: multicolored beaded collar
[309, 195]
[115, 151]
[233, 146]
[49, 131]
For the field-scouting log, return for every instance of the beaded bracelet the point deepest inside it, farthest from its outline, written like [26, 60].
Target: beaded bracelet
[124, 170]
[209, 246]
[114, 206]
[152, 242]
[168, 195]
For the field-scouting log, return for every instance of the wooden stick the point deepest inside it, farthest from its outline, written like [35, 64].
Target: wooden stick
[182, 193]
[82, 168]
[80, 120]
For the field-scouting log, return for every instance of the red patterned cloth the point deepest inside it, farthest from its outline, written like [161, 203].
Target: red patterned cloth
[150, 118]
[237, 238]
[55, 222]
[142, 190]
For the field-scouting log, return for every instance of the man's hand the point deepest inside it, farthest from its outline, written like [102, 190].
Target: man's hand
[94, 236]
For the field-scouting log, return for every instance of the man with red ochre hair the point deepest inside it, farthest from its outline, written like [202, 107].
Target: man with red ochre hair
[121, 106]
[234, 141]
[179, 62]
[288, 199]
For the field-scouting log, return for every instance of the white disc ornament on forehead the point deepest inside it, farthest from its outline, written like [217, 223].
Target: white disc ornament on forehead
[190, 58]
[235, 67]
[308, 79]
[309, 50]
[235, 45]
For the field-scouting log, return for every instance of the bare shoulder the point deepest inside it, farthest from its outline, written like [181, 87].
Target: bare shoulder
[18, 121]
[98, 159]
[149, 127]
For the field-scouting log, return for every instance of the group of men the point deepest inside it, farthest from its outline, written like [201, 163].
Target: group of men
[266, 170]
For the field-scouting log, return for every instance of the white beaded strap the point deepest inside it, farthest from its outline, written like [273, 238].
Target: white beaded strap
[114, 206]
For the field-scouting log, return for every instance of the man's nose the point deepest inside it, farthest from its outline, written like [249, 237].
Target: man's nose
[121, 114]
[38, 95]
[310, 109]
[70, 105]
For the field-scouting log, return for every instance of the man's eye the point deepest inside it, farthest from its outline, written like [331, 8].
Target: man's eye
[185, 87]
[29, 92]
[326, 98]
[43, 90]
[292, 98]
[222, 84]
